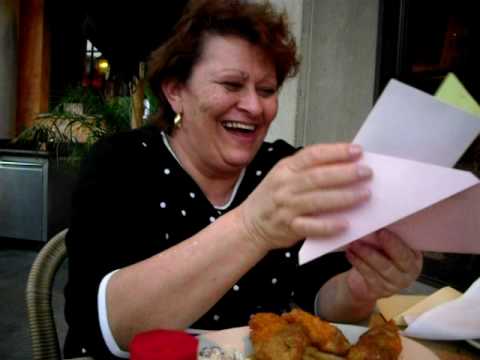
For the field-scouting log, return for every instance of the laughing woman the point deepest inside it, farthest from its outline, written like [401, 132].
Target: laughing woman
[195, 222]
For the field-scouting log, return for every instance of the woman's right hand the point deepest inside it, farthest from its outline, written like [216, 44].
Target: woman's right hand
[287, 205]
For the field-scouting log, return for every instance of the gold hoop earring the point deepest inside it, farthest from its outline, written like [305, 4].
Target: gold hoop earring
[177, 122]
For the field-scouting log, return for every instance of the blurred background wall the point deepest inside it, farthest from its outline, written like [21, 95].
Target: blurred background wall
[339, 41]
[334, 91]
[284, 125]
[8, 67]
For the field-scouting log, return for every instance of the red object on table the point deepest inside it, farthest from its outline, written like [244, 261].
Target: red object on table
[164, 345]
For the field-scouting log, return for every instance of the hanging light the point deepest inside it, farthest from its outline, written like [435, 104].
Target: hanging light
[103, 65]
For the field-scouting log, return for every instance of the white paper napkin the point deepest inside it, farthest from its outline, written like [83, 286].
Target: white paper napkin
[455, 320]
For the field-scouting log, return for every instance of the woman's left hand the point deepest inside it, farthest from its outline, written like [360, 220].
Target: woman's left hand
[382, 264]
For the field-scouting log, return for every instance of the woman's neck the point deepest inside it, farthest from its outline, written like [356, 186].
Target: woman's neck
[216, 185]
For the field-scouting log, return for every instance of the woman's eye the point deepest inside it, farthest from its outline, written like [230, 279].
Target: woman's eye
[267, 92]
[232, 86]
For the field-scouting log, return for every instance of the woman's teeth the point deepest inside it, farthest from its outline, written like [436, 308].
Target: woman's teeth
[238, 126]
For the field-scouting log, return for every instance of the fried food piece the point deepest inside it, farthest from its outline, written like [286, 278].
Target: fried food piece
[287, 344]
[264, 325]
[380, 342]
[312, 353]
[322, 334]
[274, 339]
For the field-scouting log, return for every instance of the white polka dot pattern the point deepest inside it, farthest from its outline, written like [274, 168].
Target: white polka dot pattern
[172, 207]
[188, 200]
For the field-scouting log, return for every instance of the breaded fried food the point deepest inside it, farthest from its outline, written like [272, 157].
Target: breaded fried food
[312, 353]
[380, 342]
[287, 344]
[264, 325]
[323, 335]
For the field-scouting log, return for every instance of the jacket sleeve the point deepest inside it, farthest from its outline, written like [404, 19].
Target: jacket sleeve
[103, 227]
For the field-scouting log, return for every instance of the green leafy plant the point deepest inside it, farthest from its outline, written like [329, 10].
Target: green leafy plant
[69, 131]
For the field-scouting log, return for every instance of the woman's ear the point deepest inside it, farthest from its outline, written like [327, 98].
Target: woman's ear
[172, 89]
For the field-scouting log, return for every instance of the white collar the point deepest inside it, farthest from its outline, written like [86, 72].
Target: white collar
[235, 188]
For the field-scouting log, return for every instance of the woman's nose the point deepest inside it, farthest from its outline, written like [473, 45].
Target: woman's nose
[251, 102]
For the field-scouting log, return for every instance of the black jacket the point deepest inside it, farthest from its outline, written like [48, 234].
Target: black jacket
[132, 201]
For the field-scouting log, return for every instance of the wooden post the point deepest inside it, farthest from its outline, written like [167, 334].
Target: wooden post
[8, 67]
[33, 63]
[138, 95]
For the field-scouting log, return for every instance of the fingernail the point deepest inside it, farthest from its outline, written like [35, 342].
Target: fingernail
[355, 149]
[364, 171]
[364, 193]
[350, 256]
[340, 225]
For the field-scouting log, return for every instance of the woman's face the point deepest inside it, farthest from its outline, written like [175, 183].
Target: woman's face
[228, 104]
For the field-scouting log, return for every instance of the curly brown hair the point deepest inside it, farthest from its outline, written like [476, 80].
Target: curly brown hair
[258, 23]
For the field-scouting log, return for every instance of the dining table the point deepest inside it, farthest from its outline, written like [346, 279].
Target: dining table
[186, 346]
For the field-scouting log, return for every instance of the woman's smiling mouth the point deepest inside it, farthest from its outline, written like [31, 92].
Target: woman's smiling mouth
[235, 126]
[243, 132]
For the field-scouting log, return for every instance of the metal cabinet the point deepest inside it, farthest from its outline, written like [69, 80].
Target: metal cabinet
[35, 194]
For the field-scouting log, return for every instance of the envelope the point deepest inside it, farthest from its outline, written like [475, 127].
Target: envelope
[411, 124]
[398, 307]
[406, 190]
[411, 141]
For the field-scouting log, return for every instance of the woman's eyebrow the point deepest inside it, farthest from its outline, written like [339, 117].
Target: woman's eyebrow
[243, 74]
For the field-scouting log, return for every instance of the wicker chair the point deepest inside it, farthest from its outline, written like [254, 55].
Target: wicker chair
[45, 344]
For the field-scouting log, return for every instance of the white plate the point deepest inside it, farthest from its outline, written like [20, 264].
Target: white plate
[474, 343]
[238, 339]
